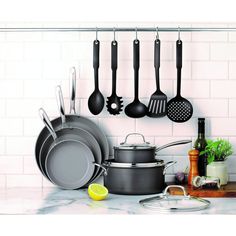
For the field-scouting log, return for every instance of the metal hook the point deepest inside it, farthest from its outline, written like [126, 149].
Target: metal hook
[179, 34]
[157, 30]
[136, 33]
[114, 32]
[96, 34]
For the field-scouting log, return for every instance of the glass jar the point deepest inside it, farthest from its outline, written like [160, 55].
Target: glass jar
[219, 170]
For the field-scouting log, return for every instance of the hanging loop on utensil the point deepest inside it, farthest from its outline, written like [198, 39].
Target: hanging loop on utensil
[157, 31]
[179, 35]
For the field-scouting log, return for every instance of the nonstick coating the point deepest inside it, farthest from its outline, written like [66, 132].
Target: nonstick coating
[70, 164]
[77, 122]
[78, 135]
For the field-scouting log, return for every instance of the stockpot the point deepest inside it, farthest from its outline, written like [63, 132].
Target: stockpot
[135, 178]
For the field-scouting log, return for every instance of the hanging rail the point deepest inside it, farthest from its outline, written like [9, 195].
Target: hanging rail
[117, 29]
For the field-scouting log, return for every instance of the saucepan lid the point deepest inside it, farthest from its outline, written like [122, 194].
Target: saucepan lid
[134, 146]
[174, 203]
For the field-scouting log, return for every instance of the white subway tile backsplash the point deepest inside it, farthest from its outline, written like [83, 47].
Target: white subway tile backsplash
[231, 164]
[159, 127]
[33, 64]
[2, 181]
[117, 126]
[24, 181]
[223, 126]
[232, 107]
[195, 51]
[188, 128]
[209, 70]
[223, 51]
[11, 126]
[23, 70]
[11, 89]
[30, 166]
[20, 145]
[232, 70]
[11, 165]
[194, 88]
[2, 146]
[210, 107]
[223, 89]
[37, 51]
[11, 51]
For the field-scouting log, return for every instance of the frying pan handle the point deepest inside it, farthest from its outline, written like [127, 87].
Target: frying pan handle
[73, 90]
[44, 117]
[60, 103]
[173, 144]
[167, 165]
[102, 167]
[174, 186]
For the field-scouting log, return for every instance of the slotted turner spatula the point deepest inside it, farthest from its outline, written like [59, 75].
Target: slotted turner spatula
[179, 109]
[158, 100]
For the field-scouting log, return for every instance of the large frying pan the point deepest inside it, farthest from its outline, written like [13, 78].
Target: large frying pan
[76, 121]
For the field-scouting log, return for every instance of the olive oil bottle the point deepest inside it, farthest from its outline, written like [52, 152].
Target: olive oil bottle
[200, 145]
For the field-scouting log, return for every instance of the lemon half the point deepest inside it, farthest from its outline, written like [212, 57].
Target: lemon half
[97, 192]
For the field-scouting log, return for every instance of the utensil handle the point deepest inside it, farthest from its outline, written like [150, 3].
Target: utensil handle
[126, 138]
[180, 142]
[96, 47]
[114, 45]
[136, 67]
[44, 117]
[167, 165]
[157, 45]
[60, 104]
[179, 65]
[175, 186]
[72, 90]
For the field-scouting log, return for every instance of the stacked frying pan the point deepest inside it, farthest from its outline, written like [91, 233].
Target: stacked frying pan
[70, 149]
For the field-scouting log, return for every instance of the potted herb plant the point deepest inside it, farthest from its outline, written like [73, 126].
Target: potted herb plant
[217, 152]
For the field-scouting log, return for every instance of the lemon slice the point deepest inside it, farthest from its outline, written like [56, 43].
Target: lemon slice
[97, 192]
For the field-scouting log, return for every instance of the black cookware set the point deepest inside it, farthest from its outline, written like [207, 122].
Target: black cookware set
[72, 151]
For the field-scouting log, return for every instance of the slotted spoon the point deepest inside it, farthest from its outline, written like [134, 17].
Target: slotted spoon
[158, 100]
[179, 109]
[114, 102]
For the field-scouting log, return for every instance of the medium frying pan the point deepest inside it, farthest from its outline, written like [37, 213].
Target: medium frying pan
[76, 121]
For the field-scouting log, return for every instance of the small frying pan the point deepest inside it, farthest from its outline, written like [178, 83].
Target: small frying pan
[69, 163]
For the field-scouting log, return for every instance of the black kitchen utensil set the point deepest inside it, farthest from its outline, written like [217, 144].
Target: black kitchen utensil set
[178, 109]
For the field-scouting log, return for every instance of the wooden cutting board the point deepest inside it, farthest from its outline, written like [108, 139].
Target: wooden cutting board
[228, 190]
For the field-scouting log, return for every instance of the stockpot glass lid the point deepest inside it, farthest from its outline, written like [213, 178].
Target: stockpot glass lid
[174, 203]
[134, 146]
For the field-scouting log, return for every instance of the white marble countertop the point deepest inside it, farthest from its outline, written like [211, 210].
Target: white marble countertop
[56, 201]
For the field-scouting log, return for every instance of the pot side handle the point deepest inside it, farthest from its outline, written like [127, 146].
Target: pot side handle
[180, 142]
[167, 165]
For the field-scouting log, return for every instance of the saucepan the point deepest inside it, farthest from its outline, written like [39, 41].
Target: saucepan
[140, 153]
